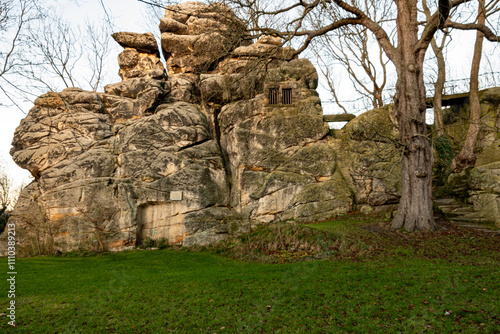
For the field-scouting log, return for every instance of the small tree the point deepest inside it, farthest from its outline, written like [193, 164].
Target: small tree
[14, 19]
[41, 51]
[359, 54]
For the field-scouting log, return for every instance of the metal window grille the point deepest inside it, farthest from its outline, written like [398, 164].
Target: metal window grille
[273, 95]
[286, 95]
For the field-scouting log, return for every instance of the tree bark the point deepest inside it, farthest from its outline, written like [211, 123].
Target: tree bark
[415, 207]
[439, 87]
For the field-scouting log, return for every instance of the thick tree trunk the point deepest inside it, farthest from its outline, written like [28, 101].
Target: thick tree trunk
[415, 207]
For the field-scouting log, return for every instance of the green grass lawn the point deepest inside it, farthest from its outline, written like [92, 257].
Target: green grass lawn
[347, 276]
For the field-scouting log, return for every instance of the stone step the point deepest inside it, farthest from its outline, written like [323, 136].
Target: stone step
[480, 228]
[463, 215]
[463, 210]
[462, 219]
[456, 212]
[478, 215]
[445, 201]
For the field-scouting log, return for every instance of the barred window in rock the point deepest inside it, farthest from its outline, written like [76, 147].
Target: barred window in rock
[286, 95]
[273, 95]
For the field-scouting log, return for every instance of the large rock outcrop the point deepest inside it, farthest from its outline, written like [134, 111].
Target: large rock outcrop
[233, 137]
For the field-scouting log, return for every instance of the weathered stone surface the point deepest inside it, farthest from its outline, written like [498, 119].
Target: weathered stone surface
[490, 154]
[276, 153]
[221, 88]
[128, 59]
[185, 87]
[456, 120]
[315, 201]
[92, 155]
[193, 53]
[195, 36]
[211, 225]
[482, 183]
[339, 117]
[145, 43]
[271, 40]
[140, 57]
[134, 64]
[485, 183]
[368, 158]
[48, 136]
[134, 88]
[218, 13]
[170, 25]
[133, 98]
[374, 125]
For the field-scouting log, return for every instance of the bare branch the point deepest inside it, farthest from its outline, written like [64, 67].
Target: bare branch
[488, 33]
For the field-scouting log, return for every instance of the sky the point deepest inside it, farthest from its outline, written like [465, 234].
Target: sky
[129, 15]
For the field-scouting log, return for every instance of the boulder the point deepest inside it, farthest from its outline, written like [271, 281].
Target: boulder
[369, 159]
[485, 183]
[140, 57]
[195, 36]
[271, 40]
[144, 43]
[379, 124]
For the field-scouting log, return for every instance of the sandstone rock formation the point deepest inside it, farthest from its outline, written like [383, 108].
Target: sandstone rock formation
[485, 176]
[140, 57]
[485, 182]
[194, 36]
[233, 137]
[456, 118]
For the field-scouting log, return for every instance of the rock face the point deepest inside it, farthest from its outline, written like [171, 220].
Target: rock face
[482, 182]
[194, 36]
[233, 137]
[140, 57]
[485, 181]
[456, 119]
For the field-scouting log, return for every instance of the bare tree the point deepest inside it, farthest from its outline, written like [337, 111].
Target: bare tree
[407, 53]
[6, 192]
[14, 19]
[8, 195]
[37, 237]
[358, 53]
[61, 54]
[40, 51]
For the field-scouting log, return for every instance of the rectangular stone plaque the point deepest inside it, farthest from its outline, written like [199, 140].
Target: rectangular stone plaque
[176, 195]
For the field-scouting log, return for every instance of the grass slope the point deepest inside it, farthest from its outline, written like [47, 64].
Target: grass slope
[369, 280]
